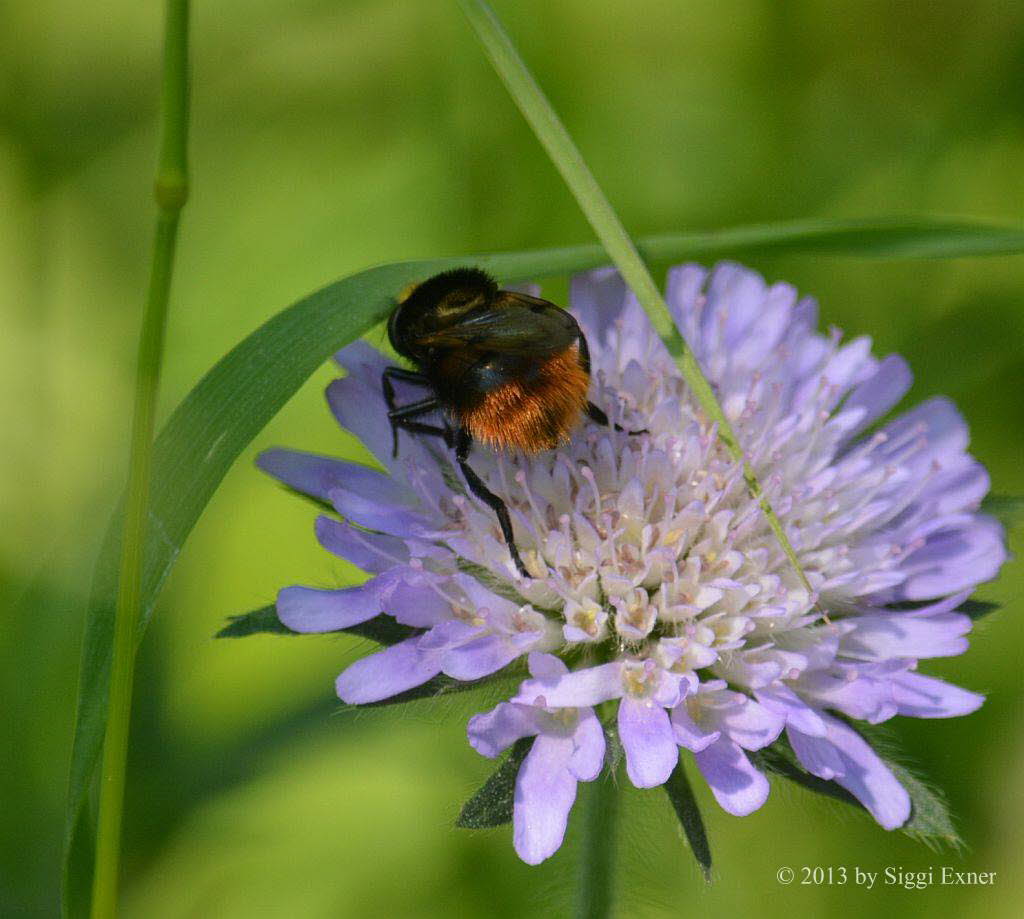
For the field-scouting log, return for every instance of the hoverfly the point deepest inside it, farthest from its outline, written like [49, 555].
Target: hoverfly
[503, 368]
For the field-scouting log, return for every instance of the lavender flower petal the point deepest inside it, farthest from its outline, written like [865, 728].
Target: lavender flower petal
[589, 747]
[373, 552]
[495, 731]
[309, 609]
[884, 637]
[927, 697]
[688, 733]
[647, 738]
[479, 658]
[866, 777]
[737, 786]
[579, 688]
[307, 473]
[545, 791]
[816, 754]
[387, 673]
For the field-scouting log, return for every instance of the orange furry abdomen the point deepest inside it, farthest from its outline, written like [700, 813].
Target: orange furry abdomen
[535, 414]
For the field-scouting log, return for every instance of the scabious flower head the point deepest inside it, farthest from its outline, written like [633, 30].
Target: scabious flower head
[658, 592]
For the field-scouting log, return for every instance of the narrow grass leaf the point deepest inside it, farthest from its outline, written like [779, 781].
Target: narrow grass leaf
[685, 805]
[492, 805]
[567, 158]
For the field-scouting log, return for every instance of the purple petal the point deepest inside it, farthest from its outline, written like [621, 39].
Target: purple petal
[546, 667]
[589, 747]
[575, 689]
[737, 786]
[305, 472]
[943, 434]
[844, 688]
[449, 634]
[387, 673]
[309, 609]
[816, 754]
[485, 603]
[768, 325]
[954, 559]
[880, 392]
[805, 314]
[921, 696]
[647, 738]
[494, 731]
[780, 699]
[598, 298]
[373, 552]
[357, 401]
[688, 733]
[908, 635]
[545, 791]
[867, 778]
[672, 688]
[363, 361]
[480, 657]
[378, 502]
[958, 486]
[413, 603]
[684, 296]
[750, 725]
[735, 295]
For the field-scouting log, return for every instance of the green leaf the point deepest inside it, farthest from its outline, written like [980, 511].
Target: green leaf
[685, 804]
[246, 388]
[264, 621]
[492, 805]
[930, 820]
[977, 608]
[1009, 509]
[868, 237]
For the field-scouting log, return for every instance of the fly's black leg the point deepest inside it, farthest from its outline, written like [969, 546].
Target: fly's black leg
[593, 412]
[596, 414]
[405, 418]
[463, 442]
[407, 376]
[414, 408]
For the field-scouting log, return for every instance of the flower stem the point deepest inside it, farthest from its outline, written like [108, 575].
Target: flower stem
[597, 851]
[555, 139]
[170, 191]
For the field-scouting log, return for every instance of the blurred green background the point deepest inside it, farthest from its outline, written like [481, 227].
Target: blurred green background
[330, 136]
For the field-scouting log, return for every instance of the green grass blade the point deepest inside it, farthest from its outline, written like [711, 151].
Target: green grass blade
[171, 192]
[867, 237]
[609, 229]
[245, 389]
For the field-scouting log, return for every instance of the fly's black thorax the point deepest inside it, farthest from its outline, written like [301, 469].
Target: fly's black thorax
[437, 304]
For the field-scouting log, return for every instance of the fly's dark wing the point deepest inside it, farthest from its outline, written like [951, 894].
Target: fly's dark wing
[514, 324]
